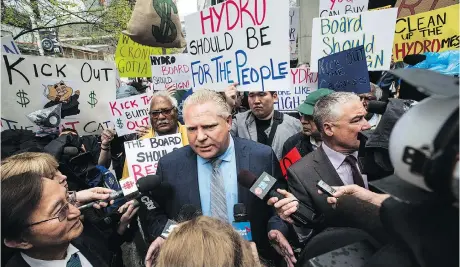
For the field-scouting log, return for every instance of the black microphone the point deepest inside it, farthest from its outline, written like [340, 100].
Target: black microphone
[132, 189]
[241, 223]
[377, 107]
[186, 213]
[265, 187]
[70, 151]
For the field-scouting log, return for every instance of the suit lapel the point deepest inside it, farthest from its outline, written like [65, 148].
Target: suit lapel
[325, 169]
[190, 179]
[242, 163]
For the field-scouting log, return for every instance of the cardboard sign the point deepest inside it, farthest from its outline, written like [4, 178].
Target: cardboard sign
[412, 7]
[83, 87]
[172, 69]
[133, 59]
[143, 155]
[294, 23]
[341, 7]
[9, 46]
[303, 82]
[240, 42]
[345, 71]
[130, 112]
[334, 34]
[433, 31]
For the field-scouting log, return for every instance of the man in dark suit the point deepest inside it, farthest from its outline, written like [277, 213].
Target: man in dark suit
[339, 118]
[204, 174]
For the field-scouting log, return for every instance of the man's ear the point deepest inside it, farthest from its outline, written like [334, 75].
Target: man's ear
[20, 244]
[275, 96]
[328, 129]
[229, 122]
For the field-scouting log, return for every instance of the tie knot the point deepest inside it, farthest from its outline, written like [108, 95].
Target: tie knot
[74, 261]
[351, 160]
[216, 163]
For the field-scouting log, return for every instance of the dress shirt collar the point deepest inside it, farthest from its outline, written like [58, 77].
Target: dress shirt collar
[335, 157]
[227, 156]
[315, 143]
[55, 263]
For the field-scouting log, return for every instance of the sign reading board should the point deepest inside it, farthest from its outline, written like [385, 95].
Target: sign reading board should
[345, 71]
[143, 155]
[83, 87]
[240, 42]
[432, 31]
[373, 29]
[303, 82]
[129, 113]
[341, 7]
[172, 69]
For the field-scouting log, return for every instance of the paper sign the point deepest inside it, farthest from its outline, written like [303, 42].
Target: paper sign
[373, 29]
[171, 69]
[303, 82]
[9, 46]
[83, 87]
[341, 7]
[143, 155]
[130, 112]
[432, 31]
[242, 42]
[345, 71]
[293, 30]
[133, 59]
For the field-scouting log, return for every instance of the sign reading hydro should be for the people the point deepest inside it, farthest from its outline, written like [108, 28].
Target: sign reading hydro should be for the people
[240, 41]
[170, 70]
[143, 155]
[129, 113]
[341, 7]
[373, 29]
[303, 82]
[432, 31]
[83, 87]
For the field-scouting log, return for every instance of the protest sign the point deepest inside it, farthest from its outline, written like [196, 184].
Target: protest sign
[172, 69]
[293, 30]
[303, 82]
[345, 71]
[143, 155]
[432, 31]
[133, 59]
[83, 87]
[411, 7]
[240, 42]
[373, 29]
[130, 112]
[341, 7]
[9, 46]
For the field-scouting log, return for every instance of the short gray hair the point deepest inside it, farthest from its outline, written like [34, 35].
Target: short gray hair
[326, 109]
[204, 96]
[166, 95]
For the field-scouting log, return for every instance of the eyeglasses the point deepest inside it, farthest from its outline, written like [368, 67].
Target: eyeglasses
[165, 112]
[61, 216]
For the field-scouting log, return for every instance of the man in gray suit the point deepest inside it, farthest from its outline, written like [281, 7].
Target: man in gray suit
[339, 118]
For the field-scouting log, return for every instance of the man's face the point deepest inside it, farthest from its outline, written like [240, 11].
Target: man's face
[308, 126]
[53, 232]
[208, 133]
[163, 116]
[261, 103]
[344, 131]
[366, 97]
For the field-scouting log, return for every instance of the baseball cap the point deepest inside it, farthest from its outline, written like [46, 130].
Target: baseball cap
[306, 108]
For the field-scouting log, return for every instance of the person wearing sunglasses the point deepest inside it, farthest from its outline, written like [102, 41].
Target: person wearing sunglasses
[39, 221]
[163, 120]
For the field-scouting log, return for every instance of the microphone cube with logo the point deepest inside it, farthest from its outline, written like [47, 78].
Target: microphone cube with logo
[263, 185]
[129, 188]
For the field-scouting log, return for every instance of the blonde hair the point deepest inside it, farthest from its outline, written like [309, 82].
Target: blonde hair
[41, 163]
[206, 242]
[205, 96]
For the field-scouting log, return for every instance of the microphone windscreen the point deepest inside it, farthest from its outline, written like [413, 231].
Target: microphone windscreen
[188, 212]
[70, 151]
[239, 209]
[376, 107]
[246, 178]
[148, 183]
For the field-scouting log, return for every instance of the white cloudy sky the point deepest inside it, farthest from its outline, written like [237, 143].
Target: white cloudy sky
[186, 7]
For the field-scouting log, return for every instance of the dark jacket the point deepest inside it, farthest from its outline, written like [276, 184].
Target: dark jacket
[299, 141]
[179, 169]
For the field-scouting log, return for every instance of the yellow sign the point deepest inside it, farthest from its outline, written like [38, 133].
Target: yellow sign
[432, 31]
[133, 59]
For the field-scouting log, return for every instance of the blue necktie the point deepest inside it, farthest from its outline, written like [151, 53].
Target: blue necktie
[74, 261]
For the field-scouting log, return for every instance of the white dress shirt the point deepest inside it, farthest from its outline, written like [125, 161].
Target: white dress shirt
[343, 168]
[57, 263]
